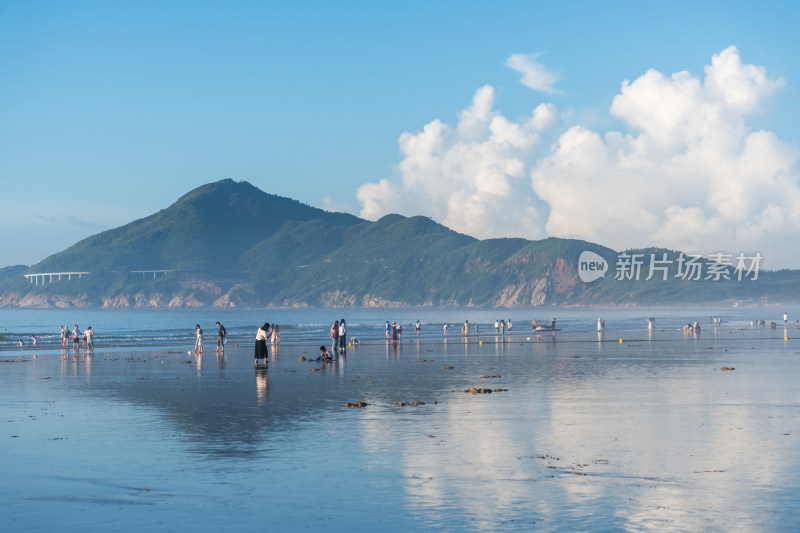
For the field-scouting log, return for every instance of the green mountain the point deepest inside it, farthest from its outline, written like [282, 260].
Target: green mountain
[230, 244]
[205, 230]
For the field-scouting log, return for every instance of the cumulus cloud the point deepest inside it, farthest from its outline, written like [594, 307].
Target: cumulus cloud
[534, 75]
[471, 177]
[692, 176]
[688, 173]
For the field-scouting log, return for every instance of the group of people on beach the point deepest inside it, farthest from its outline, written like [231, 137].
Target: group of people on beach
[393, 331]
[773, 325]
[86, 338]
[692, 328]
[221, 334]
[79, 338]
[500, 326]
[34, 340]
[338, 335]
[267, 332]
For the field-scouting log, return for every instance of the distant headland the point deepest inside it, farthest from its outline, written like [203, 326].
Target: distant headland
[229, 244]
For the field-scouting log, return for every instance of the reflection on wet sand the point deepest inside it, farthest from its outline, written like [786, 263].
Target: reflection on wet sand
[262, 385]
[591, 433]
[665, 460]
[78, 364]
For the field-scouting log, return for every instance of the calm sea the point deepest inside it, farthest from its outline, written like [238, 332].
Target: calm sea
[664, 431]
[136, 328]
[126, 328]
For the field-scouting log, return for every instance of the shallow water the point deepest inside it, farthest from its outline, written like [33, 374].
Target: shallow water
[150, 328]
[591, 434]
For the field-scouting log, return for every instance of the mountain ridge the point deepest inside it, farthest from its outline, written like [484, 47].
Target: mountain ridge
[230, 244]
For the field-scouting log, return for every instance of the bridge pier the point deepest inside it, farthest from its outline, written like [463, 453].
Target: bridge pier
[48, 276]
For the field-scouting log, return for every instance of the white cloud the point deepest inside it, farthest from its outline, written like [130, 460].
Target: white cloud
[534, 75]
[694, 176]
[471, 177]
[689, 174]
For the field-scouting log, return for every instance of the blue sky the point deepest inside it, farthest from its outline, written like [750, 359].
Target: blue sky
[110, 111]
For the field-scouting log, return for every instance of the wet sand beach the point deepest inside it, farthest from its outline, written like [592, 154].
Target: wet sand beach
[582, 431]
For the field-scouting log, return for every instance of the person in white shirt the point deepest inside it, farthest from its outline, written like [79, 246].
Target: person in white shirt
[76, 336]
[261, 343]
[198, 343]
[342, 335]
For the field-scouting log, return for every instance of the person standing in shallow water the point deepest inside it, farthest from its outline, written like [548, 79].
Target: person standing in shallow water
[221, 338]
[198, 343]
[342, 335]
[335, 335]
[261, 351]
[76, 335]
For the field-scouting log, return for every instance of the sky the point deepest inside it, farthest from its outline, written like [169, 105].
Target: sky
[629, 124]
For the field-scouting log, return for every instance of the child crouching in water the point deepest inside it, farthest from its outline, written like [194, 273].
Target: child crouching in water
[324, 355]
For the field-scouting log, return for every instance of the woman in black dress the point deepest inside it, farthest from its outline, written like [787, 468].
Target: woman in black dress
[261, 343]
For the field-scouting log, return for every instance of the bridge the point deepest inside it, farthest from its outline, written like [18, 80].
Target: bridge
[34, 278]
[153, 272]
[48, 276]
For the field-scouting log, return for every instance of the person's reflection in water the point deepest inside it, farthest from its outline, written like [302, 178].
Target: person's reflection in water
[87, 364]
[221, 360]
[276, 352]
[262, 384]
